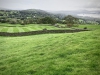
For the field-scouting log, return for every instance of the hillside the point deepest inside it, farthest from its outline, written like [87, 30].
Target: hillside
[34, 16]
[51, 54]
[84, 14]
[32, 13]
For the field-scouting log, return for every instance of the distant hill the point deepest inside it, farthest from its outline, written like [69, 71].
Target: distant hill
[32, 13]
[37, 13]
[90, 15]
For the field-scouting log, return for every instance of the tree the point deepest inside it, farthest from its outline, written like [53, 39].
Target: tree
[47, 20]
[70, 20]
[13, 21]
[98, 22]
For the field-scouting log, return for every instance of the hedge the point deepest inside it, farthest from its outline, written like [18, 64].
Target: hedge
[40, 32]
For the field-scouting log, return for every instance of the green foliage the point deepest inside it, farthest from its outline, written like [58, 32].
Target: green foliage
[98, 22]
[70, 20]
[33, 16]
[44, 29]
[30, 16]
[85, 27]
[47, 20]
[13, 21]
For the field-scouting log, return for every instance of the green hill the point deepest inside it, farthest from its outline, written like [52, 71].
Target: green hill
[51, 54]
[34, 15]
[20, 14]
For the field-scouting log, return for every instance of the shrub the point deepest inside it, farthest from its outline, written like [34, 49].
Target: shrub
[44, 29]
[85, 27]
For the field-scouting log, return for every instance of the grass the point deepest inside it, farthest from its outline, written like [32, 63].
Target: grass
[5, 29]
[16, 30]
[20, 28]
[93, 27]
[51, 54]
[34, 27]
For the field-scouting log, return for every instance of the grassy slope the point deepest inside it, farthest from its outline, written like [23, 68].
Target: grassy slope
[51, 54]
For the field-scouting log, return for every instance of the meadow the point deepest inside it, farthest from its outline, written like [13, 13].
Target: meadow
[51, 54]
[23, 28]
[10, 28]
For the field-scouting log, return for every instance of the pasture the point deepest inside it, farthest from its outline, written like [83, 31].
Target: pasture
[50, 54]
[23, 28]
[10, 28]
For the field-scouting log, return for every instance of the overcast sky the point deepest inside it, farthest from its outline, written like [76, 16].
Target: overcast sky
[54, 5]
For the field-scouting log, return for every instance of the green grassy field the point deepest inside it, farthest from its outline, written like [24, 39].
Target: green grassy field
[21, 28]
[34, 27]
[51, 54]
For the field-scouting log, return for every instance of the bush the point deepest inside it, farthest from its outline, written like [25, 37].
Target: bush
[47, 20]
[44, 29]
[13, 22]
[85, 27]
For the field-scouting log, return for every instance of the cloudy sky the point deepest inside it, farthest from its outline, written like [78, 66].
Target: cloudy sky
[51, 4]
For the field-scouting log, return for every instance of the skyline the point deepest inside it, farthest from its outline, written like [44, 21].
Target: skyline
[53, 5]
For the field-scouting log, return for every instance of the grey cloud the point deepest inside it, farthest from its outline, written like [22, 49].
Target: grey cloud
[93, 4]
[50, 4]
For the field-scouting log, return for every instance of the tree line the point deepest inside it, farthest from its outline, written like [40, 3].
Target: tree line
[24, 17]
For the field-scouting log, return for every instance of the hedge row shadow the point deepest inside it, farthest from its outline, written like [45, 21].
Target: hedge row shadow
[40, 32]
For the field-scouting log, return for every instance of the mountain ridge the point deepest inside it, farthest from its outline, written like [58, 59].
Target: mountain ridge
[84, 14]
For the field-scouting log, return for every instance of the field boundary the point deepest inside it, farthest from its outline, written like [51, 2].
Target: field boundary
[40, 32]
